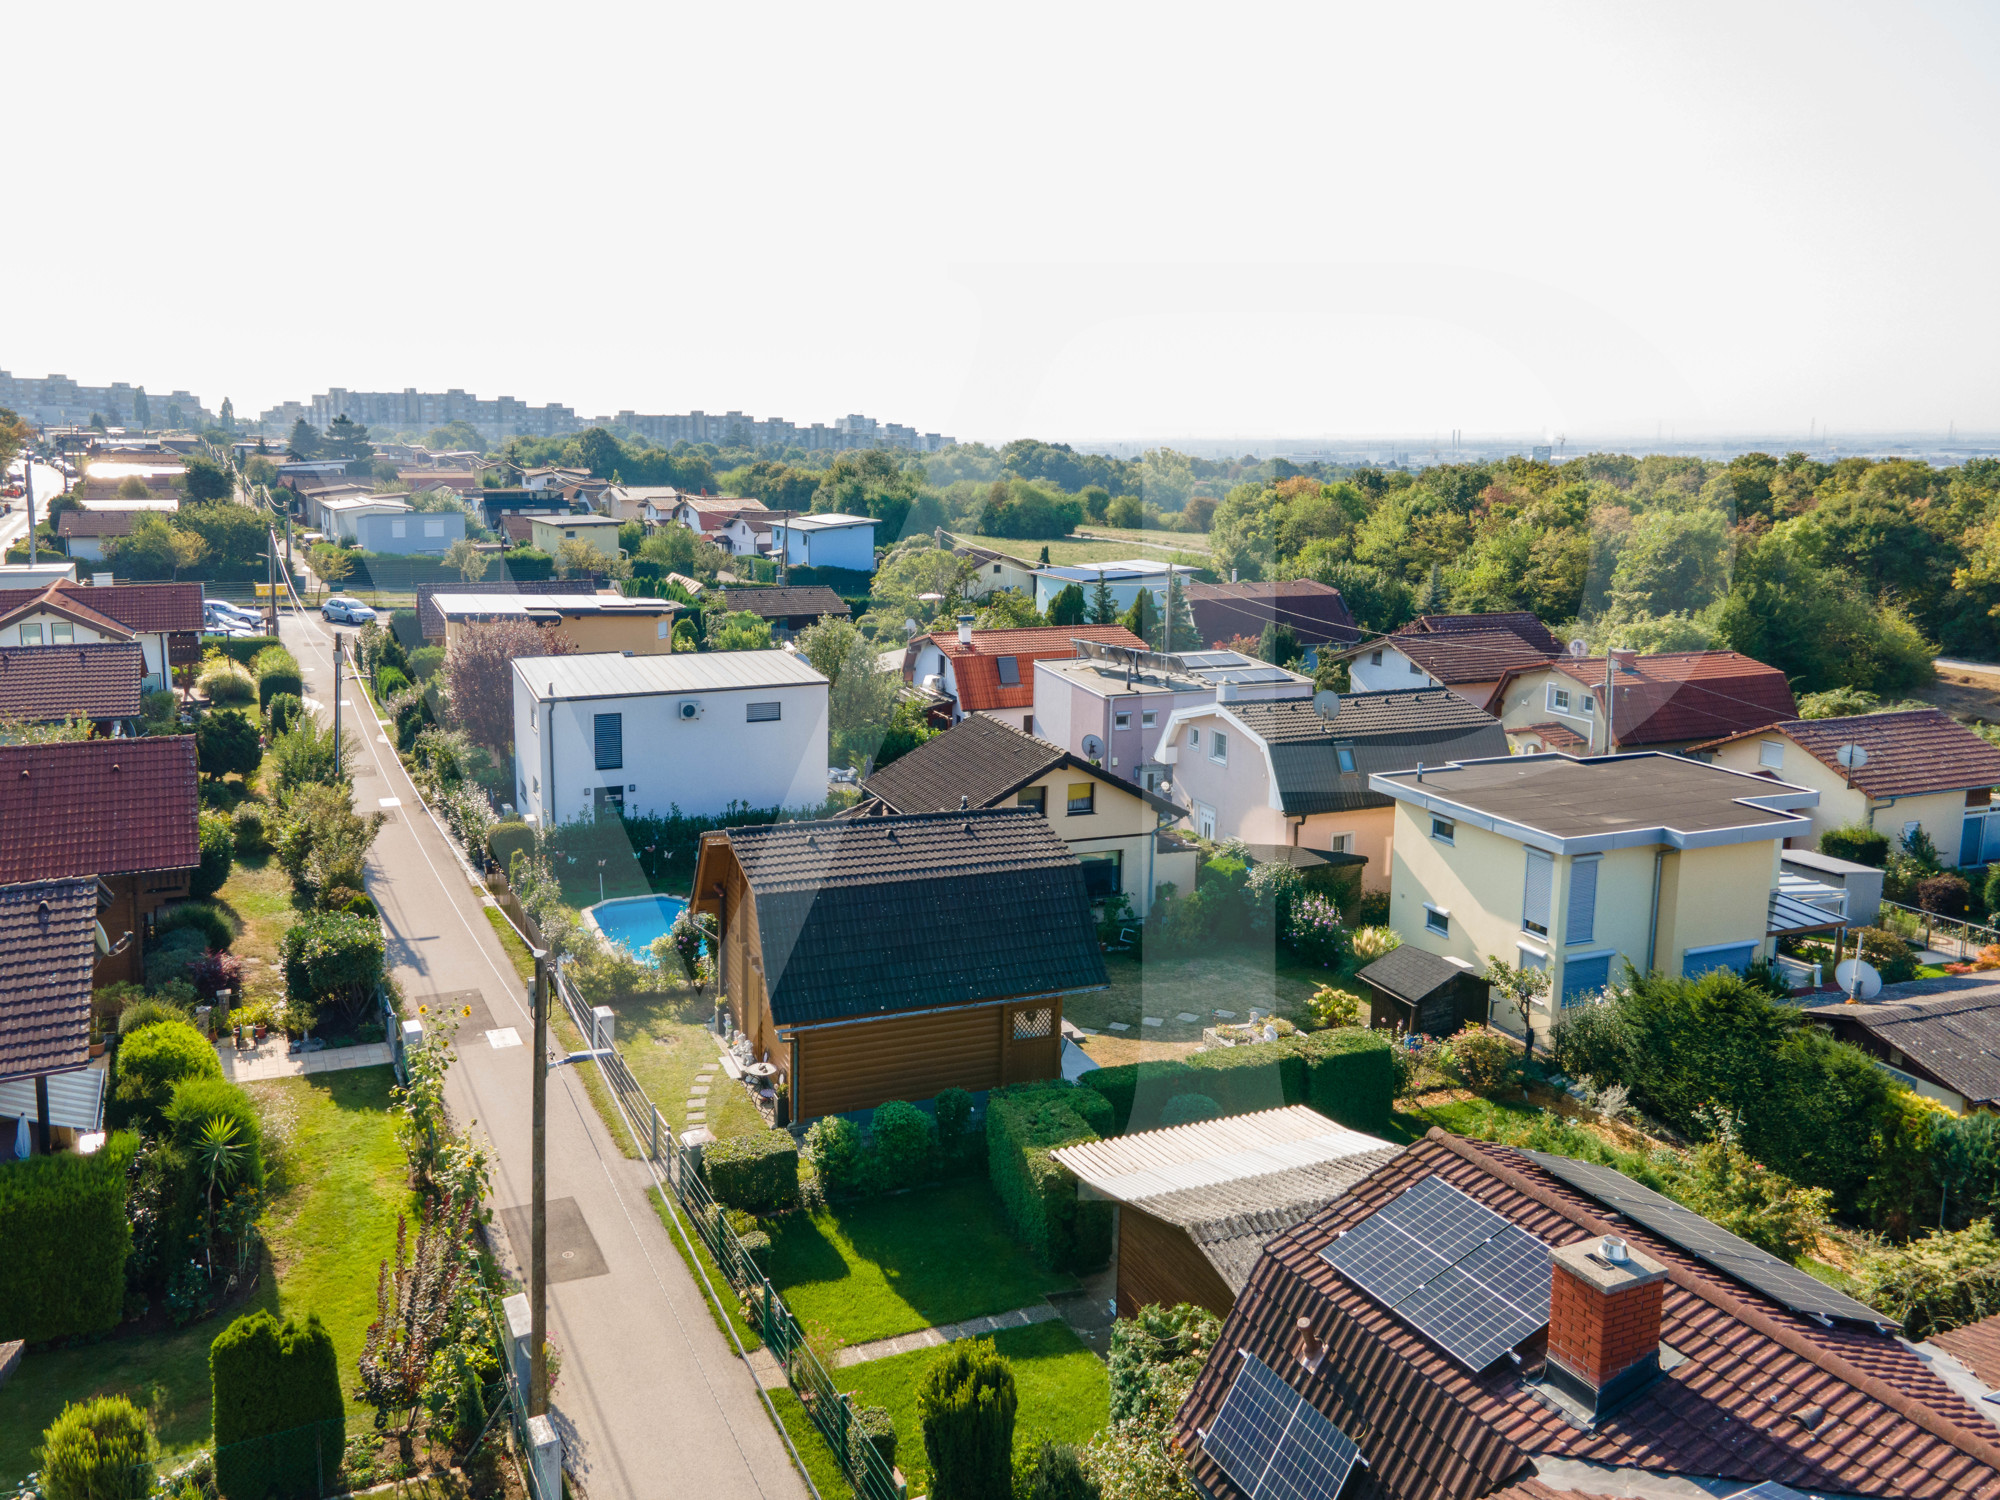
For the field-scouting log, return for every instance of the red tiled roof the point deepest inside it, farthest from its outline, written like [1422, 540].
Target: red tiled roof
[56, 600]
[1736, 1407]
[1555, 736]
[39, 684]
[1911, 753]
[1681, 695]
[98, 807]
[136, 606]
[1976, 1346]
[1455, 656]
[976, 668]
[48, 945]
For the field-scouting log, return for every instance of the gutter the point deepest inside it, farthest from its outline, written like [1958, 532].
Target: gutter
[786, 1033]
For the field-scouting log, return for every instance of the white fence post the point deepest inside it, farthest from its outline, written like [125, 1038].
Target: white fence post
[412, 1039]
[545, 1458]
[603, 1028]
[520, 1340]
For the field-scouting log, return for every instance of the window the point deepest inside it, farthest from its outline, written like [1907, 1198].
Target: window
[608, 737]
[1121, 720]
[763, 713]
[1589, 704]
[1910, 831]
[1010, 670]
[570, 534]
[1558, 699]
[1339, 843]
[1444, 830]
[663, 630]
[996, 567]
[1344, 754]
[531, 714]
[1101, 874]
[1194, 739]
[398, 526]
[1218, 746]
[1584, 976]
[1082, 798]
[1771, 754]
[1581, 921]
[434, 526]
[1539, 894]
[1415, 670]
[62, 633]
[1734, 956]
[1531, 958]
[1204, 820]
[1374, 658]
[1149, 719]
[1028, 722]
[31, 635]
[1036, 797]
[1438, 920]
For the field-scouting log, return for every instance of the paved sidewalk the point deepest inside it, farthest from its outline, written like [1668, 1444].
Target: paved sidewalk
[271, 1059]
[945, 1333]
[653, 1400]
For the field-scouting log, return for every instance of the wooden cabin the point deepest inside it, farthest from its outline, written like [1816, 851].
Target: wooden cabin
[1411, 989]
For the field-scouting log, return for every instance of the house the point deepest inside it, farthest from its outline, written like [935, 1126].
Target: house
[1124, 579]
[991, 571]
[1112, 703]
[1666, 702]
[48, 930]
[47, 684]
[1314, 611]
[1471, 1320]
[648, 504]
[648, 735]
[789, 608]
[431, 621]
[163, 618]
[1941, 1037]
[1111, 826]
[1919, 769]
[495, 504]
[1580, 867]
[892, 958]
[591, 622]
[752, 533]
[553, 478]
[461, 482]
[992, 671]
[314, 498]
[714, 518]
[1467, 653]
[828, 540]
[1196, 1204]
[1279, 771]
[388, 523]
[549, 532]
[84, 532]
[122, 811]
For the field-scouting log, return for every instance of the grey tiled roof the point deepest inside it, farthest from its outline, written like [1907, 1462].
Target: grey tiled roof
[775, 603]
[878, 915]
[1955, 1038]
[1388, 731]
[984, 761]
[1410, 973]
[48, 942]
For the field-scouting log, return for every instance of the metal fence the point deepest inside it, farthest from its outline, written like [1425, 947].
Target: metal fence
[1959, 941]
[831, 1411]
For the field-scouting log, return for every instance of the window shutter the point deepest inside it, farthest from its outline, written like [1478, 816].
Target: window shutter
[1582, 921]
[1540, 893]
[1585, 976]
[610, 736]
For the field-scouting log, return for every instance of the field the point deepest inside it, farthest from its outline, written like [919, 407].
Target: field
[1105, 546]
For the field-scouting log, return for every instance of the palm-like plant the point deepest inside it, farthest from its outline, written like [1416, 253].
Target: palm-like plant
[219, 1155]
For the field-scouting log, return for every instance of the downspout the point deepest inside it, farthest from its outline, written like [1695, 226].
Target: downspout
[549, 736]
[1653, 922]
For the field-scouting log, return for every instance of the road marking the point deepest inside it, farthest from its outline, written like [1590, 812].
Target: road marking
[505, 1036]
[392, 801]
[381, 739]
[347, 703]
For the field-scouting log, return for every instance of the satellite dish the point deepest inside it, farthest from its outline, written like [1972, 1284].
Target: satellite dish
[909, 627]
[1093, 747]
[1326, 703]
[1858, 978]
[1579, 648]
[1850, 757]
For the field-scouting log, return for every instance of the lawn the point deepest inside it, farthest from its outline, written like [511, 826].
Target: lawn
[1167, 987]
[1067, 551]
[1065, 1395]
[257, 898]
[336, 1185]
[891, 1265]
[667, 1054]
[1477, 1117]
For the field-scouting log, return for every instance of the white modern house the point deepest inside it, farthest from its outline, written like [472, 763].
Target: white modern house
[642, 735]
[1124, 579]
[831, 540]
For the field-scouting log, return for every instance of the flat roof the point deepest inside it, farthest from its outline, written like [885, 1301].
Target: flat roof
[612, 674]
[578, 519]
[453, 606]
[1569, 806]
[822, 522]
[1125, 570]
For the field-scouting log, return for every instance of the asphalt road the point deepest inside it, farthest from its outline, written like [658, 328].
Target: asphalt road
[652, 1400]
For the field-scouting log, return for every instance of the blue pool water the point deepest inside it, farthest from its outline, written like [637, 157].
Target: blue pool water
[635, 921]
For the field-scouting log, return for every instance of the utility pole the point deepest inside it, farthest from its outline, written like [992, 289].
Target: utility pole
[538, 1202]
[336, 697]
[28, 489]
[271, 578]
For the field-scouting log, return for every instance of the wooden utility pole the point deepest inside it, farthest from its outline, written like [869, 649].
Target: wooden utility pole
[538, 1201]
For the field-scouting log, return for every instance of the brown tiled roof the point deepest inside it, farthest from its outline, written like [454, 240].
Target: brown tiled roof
[1554, 735]
[1752, 1377]
[518, 526]
[983, 761]
[776, 603]
[1520, 623]
[98, 807]
[55, 600]
[1676, 696]
[95, 523]
[1910, 753]
[1455, 656]
[136, 606]
[1976, 1346]
[48, 945]
[1314, 610]
[976, 668]
[39, 684]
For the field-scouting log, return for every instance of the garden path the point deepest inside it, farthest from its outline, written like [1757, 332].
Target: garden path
[270, 1059]
[930, 1338]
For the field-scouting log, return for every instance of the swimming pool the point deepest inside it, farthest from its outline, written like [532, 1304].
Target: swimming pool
[634, 921]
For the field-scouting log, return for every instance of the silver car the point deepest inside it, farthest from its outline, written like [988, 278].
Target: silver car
[346, 609]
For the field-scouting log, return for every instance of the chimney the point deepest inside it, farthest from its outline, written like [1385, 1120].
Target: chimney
[1604, 1322]
[965, 630]
[1626, 661]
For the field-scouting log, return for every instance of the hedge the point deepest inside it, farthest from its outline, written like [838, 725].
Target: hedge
[1346, 1074]
[277, 672]
[151, 1062]
[279, 1381]
[242, 649]
[63, 1221]
[757, 1173]
[504, 837]
[202, 916]
[1038, 1194]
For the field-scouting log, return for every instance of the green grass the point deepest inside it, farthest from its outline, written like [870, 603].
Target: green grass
[257, 899]
[336, 1187]
[1477, 1117]
[818, 1458]
[666, 1054]
[511, 941]
[892, 1265]
[730, 1315]
[1065, 1395]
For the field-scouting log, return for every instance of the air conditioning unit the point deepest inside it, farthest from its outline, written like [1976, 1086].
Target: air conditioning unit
[689, 709]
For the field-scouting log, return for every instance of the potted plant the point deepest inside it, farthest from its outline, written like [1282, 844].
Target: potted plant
[96, 1038]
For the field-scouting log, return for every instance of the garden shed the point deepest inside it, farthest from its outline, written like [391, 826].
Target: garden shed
[1415, 990]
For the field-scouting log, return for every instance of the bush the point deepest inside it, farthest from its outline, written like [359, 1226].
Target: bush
[1479, 1058]
[227, 683]
[281, 1381]
[1945, 1280]
[196, 1101]
[1024, 1124]
[1590, 1041]
[1334, 1007]
[404, 627]
[226, 742]
[390, 681]
[139, 1014]
[952, 1109]
[527, 563]
[1856, 842]
[333, 959]
[425, 662]
[283, 712]
[1056, 1473]
[967, 1404]
[277, 672]
[1730, 1189]
[99, 1449]
[873, 1428]
[1187, 1109]
[903, 1139]
[151, 1062]
[504, 837]
[1893, 957]
[756, 1173]
[196, 916]
[218, 853]
[63, 1221]
[1370, 943]
[243, 649]
[833, 1146]
[169, 957]
[1315, 931]
[1946, 895]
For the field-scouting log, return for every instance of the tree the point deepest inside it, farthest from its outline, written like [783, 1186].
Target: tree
[1183, 636]
[1931, 1285]
[346, 439]
[967, 1404]
[1279, 645]
[142, 410]
[595, 450]
[226, 741]
[332, 562]
[478, 676]
[55, 731]
[14, 436]
[100, 1449]
[1067, 607]
[862, 697]
[413, 1309]
[207, 480]
[227, 419]
[1103, 607]
[304, 442]
[741, 631]
[333, 958]
[1520, 987]
[1143, 618]
[303, 755]
[576, 558]
[156, 548]
[454, 435]
[1003, 609]
[467, 560]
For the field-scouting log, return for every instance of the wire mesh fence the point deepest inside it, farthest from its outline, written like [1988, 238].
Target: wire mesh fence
[1957, 940]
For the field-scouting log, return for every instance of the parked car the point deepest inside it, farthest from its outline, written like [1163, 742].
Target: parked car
[223, 609]
[344, 607]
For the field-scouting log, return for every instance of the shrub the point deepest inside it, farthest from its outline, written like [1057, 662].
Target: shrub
[139, 1014]
[1370, 943]
[424, 663]
[283, 712]
[333, 959]
[151, 1062]
[168, 958]
[967, 1403]
[903, 1138]
[1024, 1124]
[1856, 842]
[1888, 953]
[226, 743]
[243, 649]
[407, 632]
[1315, 931]
[1947, 895]
[1742, 1195]
[504, 837]
[277, 672]
[1056, 1473]
[758, 1173]
[389, 681]
[196, 916]
[63, 1221]
[1943, 1281]
[280, 1381]
[1186, 1109]
[1334, 1007]
[1590, 1041]
[227, 683]
[756, 1248]
[873, 1428]
[99, 1449]
[1241, 1080]
[211, 973]
[1480, 1059]
[196, 1101]
[527, 563]
[218, 853]
[833, 1146]
[952, 1109]
[248, 828]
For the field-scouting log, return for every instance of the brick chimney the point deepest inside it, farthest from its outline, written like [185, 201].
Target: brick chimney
[1626, 661]
[1604, 1322]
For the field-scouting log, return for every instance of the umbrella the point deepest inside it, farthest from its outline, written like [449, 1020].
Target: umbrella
[22, 1148]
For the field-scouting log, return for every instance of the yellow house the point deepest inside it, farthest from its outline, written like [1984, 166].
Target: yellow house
[594, 622]
[548, 533]
[1583, 866]
[1920, 769]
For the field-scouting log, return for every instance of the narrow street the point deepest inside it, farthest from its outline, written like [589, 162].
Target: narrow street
[652, 1400]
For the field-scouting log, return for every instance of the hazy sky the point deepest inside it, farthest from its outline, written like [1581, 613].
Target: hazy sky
[1078, 222]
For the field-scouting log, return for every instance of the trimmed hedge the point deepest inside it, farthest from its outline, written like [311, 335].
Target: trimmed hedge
[1038, 1194]
[63, 1221]
[243, 649]
[277, 672]
[279, 1381]
[756, 1173]
[504, 837]
[200, 916]
[1347, 1075]
[151, 1062]
[1351, 1076]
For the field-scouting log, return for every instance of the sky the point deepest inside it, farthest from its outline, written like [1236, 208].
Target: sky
[1081, 223]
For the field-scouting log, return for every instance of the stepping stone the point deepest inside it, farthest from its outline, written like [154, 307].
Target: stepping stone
[1187, 1015]
[1151, 1021]
[695, 1117]
[1227, 1015]
[1120, 1026]
[698, 1090]
[1086, 1031]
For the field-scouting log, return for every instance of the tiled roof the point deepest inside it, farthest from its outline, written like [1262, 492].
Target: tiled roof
[1467, 655]
[1681, 695]
[1554, 736]
[55, 600]
[98, 807]
[982, 760]
[1385, 731]
[48, 944]
[96, 523]
[891, 914]
[1910, 753]
[432, 623]
[1314, 610]
[976, 668]
[152, 607]
[813, 599]
[518, 526]
[1410, 973]
[1753, 1375]
[1976, 1346]
[1520, 623]
[39, 684]
[1955, 1038]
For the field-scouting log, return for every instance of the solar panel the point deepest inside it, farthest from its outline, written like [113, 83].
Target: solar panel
[1770, 1489]
[1730, 1254]
[1273, 1443]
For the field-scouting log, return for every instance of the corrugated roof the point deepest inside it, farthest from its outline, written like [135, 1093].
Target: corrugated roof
[1910, 753]
[76, 1099]
[39, 684]
[1164, 1164]
[1955, 1037]
[48, 944]
[98, 807]
[1384, 731]
[611, 674]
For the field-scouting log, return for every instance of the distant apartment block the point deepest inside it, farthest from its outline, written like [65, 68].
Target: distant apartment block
[58, 401]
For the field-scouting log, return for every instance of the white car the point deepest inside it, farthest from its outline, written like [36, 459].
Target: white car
[222, 612]
[343, 607]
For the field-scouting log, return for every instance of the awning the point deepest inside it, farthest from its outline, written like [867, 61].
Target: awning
[76, 1099]
[1789, 914]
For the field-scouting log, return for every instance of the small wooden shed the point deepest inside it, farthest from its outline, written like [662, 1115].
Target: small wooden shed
[1421, 991]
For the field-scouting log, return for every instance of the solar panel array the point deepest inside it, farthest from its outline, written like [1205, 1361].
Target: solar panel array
[1784, 1284]
[1274, 1443]
[1772, 1490]
[1452, 1268]
[1198, 659]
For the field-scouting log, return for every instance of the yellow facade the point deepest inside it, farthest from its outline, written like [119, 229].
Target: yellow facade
[1939, 814]
[1119, 822]
[550, 532]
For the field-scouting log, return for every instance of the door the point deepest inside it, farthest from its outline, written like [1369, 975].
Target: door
[1972, 841]
[1031, 1041]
